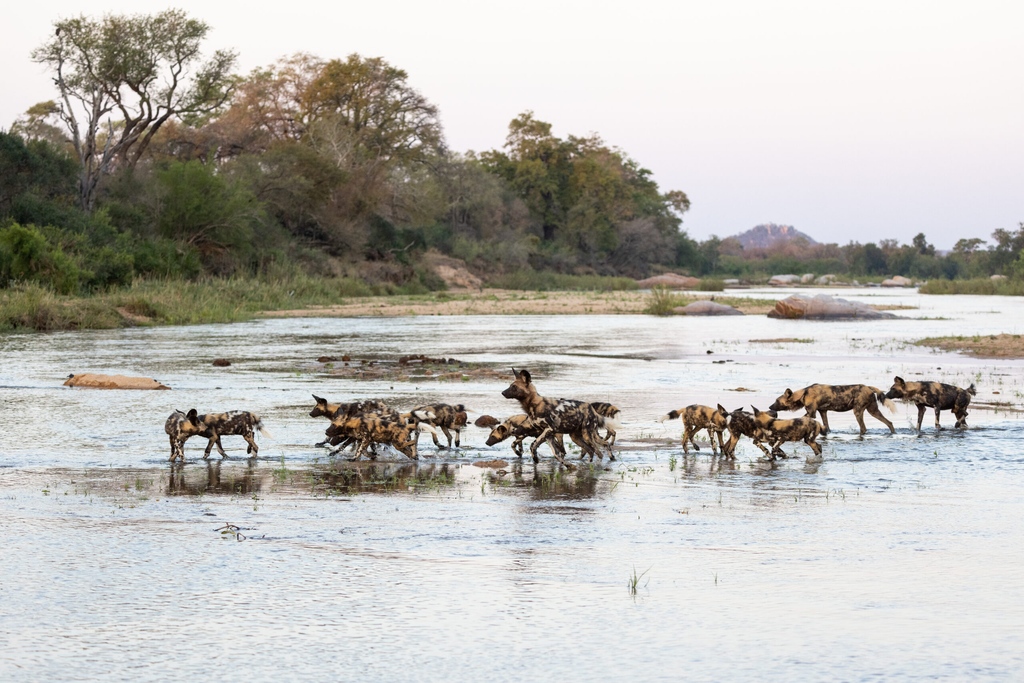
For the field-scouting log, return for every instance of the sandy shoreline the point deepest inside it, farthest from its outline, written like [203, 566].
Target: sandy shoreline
[505, 302]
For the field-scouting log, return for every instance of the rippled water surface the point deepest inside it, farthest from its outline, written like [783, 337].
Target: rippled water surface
[899, 557]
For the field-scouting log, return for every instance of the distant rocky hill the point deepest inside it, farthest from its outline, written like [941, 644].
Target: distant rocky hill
[768, 234]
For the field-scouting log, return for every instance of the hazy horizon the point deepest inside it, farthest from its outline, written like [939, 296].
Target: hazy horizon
[850, 122]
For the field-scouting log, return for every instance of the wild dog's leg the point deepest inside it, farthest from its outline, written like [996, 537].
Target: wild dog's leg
[517, 446]
[253, 448]
[872, 408]
[447, 435]
[578, 440]
[433, 435]
[458, 434]
[920, 415]
[688, 437]
[729, 449]
[761, 446]
[809, 440]
[711, 438]
[548, 436]
[214, 439]
[174, 451]
[824, 421]
[937, 425]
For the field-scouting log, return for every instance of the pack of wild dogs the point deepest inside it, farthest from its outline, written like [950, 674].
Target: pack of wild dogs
[364, 425]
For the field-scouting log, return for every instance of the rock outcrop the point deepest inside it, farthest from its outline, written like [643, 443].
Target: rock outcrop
[93, 381]
[669, 281]
[706, 308]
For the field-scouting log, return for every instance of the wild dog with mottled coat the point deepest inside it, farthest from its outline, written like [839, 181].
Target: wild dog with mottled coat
[445, 417]
[232, 423]
[578, 419]
[180, 427]
[333, 411]
[373, 429]
[821, 398]
[777, 432]
[697, 417]
[934, 395]
[741, 423]
[519, 427]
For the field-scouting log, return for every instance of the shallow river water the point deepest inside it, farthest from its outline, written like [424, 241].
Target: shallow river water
[899, 557]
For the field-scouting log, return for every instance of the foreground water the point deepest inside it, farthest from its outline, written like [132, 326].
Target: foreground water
[899, 557]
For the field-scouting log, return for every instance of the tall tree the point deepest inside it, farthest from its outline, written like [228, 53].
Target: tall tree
[122, 77]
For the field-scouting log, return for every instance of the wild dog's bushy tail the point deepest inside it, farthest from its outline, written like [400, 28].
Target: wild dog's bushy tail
[671, 415]
[971, 390]
[263, 430]
[612, 423]
[883, 401]
[426, 427]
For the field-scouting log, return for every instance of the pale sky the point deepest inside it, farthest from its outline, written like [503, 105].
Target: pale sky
[851, 121]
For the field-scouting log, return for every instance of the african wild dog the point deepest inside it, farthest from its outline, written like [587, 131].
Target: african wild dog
[741, 423]
[934, 395]
[777, 432]
[821, 398]
[181, 426]
[332, 411]
[446, 418]
[519, 427]
[564, 416]
[697, 417]
[372, 429]
[234, 422]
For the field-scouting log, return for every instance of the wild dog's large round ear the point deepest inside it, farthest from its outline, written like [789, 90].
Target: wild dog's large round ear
[318, 399]
[192, 415]
[898, 380]
[788, 393]
[722, 410]
[525, 374]
[756, 411]
[515, 372]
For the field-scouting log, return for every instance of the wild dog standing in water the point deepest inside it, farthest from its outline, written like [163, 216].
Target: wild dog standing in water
[777, 432]
[520, 427]
[234, 422]
[445, 417]
[333, 411]
[821, 398]
[697, 417]
[741, 423]
[934, 395]
[372, 429]
[564, 416]
[181, 426]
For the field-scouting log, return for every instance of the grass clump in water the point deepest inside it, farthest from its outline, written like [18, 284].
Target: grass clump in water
[985, 286]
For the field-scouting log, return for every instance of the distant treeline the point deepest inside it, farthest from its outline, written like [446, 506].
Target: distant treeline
[155, 162]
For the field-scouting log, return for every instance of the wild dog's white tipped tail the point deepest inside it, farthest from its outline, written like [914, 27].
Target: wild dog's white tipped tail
[885, 402]
[612, 423]
[426, 427]
[263, 430]
[728, 419]
[663, 418]
[423, 415]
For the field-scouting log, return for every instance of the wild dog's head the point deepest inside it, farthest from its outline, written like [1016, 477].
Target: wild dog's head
[720, 417]
[898, 390]
[522, 388]
[183, 424]
[499, 434]
[786, 402]
[322, 408]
